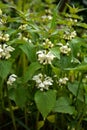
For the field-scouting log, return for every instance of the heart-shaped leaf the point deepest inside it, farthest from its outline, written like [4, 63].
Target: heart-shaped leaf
[45, 101]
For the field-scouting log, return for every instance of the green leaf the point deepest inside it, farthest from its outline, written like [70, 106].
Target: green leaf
[81, 67]
[11, 92]
[40, 124]
[63, 106]
[53, 22]
[45, 102]
[29, 50]
[56, 52]
[76, 90]
[84, 25]
[3, 5]
[5, 68]
[51, 118]
[20, 96]
[65, 61]
[33, 67]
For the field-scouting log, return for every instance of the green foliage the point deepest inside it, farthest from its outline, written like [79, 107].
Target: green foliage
[31, 69]
[5, 68]
[63, 106]
[45, 102]
[43, 66]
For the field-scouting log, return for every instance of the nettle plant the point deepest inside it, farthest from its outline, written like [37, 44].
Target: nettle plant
[43, 68]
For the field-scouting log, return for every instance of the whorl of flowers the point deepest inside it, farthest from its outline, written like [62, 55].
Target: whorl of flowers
[44, 17]
[5, 51]
[45, 57]
[47, 44]
[12, 78]
[23, 27]
[4, 37]
[69, 35]
[64, 49]
[63, 81]
[42, 81]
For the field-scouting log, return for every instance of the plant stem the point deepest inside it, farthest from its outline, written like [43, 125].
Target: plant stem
[1, 94]
[11, 111]
[79, 86]
[26, 116]
[62, 5]
[83, 110]
[37, 119]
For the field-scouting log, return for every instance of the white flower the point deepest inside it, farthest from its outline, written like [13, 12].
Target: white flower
[5, 51]
[4, 37]
[20, 36]
[0, 12]
[49, 57]
[49, 17]
[47, 43]
[7, 48]
[44, 57]
[29, 41]
[1, 50]
[69, 35]
[38, 78]
[65, 49]
[25, 38]
[63, 81]
[11, 79]
[42, 81]
[23, 27]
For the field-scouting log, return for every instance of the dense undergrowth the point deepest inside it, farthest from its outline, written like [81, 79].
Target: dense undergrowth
[43, 66]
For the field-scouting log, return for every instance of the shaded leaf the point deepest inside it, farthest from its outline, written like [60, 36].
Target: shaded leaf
[20, 96]
[45, 101]
[63, 106]
[29, 50]
[40, 124]
[76, 90]
[51, 118]
[33, 67]
[5, 68]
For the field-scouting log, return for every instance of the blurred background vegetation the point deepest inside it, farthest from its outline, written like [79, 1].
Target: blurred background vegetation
[62, 4]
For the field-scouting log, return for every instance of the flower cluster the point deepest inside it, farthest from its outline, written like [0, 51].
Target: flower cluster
[21, 37]
[48, 15]
[65, 49]
[4, 37]
[23, 27]
[73, 20]
[12, 78]
[42, 81]
[63, 81]
[47, 43]
[44, 17]
[45, 57]
[2, 18]
[69, 35]
[5, 51]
